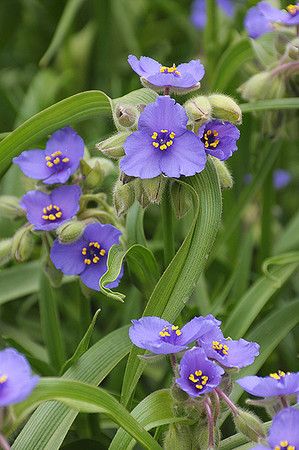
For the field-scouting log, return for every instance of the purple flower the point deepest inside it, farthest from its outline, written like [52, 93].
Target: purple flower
[161, 337]
[16, 380]
[198, 375]
[184, 76]
[278, 383]
[281, 178]
[198, 13]
[57, 162]
[87, 257]
[219, 138]
[260, 18]
[284, 432]
[48, 211]
[163, 144]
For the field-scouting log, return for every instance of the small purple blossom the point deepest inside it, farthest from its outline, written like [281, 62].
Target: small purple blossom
[16, 379]
[284, 431]
[163, 144]
[198, 375]
[184, 76]
[57, 162]
[48, 211]
[87, 256]
[161, 337]
[278, 383]
[281, 178]
[198, 13]
[219, 138]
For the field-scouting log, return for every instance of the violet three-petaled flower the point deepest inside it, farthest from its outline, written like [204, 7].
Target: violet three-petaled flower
[48, 211]
[163, 144]
[181, 77]
[281, 178]
[219, 138]
[16, 379]
[161, 337]
[276, 384]
[57, 162]
[199, 15]
[198, 375]
[87, 256]
[284, 431]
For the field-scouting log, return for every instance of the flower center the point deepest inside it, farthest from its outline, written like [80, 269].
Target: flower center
[284, 445]
[210, 139]
[162, 139]
[198, 379]
[172, 332]
[222, 349]
[279, 374]
[3, 378]
[56, 160]
[92, 253]
[173, 70]
[292, 9]
[51, 212]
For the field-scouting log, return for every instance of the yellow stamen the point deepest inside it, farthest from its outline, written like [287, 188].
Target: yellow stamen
[65, 160]
[3, 378]
[155, 144]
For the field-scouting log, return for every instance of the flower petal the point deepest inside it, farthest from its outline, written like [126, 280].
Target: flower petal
[194, 68]
[170, 80]
[256, 24]
[285, 428]
[198, 14]
[67, 198]
[196, 328]
[107, 235]
[33, 202]
[92, 274]
[145, 66]
[33, 164]
[68, 257]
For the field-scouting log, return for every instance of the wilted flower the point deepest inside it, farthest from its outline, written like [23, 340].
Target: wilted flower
[199, 16]
[57, 162]
[184, 76]
[278, 383]
[16, 380]
[87, 256]
[198, 375]
[161, 337]
[48, 211]
[284, 432]
[281, 178]
[219, 138]
[163, 144]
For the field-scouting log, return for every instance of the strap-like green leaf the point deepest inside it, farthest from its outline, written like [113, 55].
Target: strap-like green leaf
[269, 105]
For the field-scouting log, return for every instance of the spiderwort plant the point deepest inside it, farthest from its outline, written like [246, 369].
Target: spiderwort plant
[198, 13]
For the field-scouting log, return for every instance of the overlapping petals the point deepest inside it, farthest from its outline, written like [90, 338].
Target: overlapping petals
[219, 138]
[279, 383]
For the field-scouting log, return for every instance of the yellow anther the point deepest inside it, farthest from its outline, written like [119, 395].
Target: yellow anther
[155, 144]
[169, 143]
[102, 252]
[199, 386]
[97, 245]
[174, 327]
[49, 164]
[198, 373]
[56, 160]
[172, 135]
[56, 207]
[215, 133]
[65, 160]
[284, 443]
[45, 217]
[87, 261]
[292, 9]
[209, 132]
[49, 207]
[154, 135]
[164, 131]
[163, 147]
[52, 217]
[95, 259]
[291, 447]
[84, 251]
[178, 332]
[3, 378]
[45, 210]
[48, 158]
[58, 214]
[192, 378]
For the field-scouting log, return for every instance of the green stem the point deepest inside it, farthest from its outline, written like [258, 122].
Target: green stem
[167, 226]
[266, 232]
[210, 37]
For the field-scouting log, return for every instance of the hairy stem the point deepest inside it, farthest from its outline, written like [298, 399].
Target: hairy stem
[228, 401]
[208, 409]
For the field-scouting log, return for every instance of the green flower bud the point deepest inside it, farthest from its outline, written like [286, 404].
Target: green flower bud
[178, 437]
[292, 49]
[95, 176]
[10, 207]
[123, 197]
[22, 244]
[181, 199]
[250, 425]
[262, 86]
[113, 146]
[225, 108]
[225, 178]
[154, 188]
[70, 231]
[5, 251]
[140, 194]
[125, 116]
[199, 110]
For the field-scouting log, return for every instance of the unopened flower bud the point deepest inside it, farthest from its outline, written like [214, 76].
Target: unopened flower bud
[22, 244]
[10, 207]
[126, 116]
[113, 146]
[5, 251]
[95, 176]
[199, 110]
[154, 188]
[181, 199]
[123, 197]
[70, 231]
[225, 177]
[178, 437]
[250, 425]
[140, 194]
[225, 108]
[262, 86]
[292, 49]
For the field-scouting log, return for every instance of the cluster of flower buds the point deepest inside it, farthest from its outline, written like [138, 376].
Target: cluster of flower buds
[203, 379]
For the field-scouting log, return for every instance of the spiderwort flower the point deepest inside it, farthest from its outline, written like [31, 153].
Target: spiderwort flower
[219, 138]
[199, 15]
[198, 375]
[162, 144]
[16, 380]
[281, 178]
[87, 256]
[278, 383]
[48, 211]
[161, 337]
[184, 76]
[57, 162]
[284, 432]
